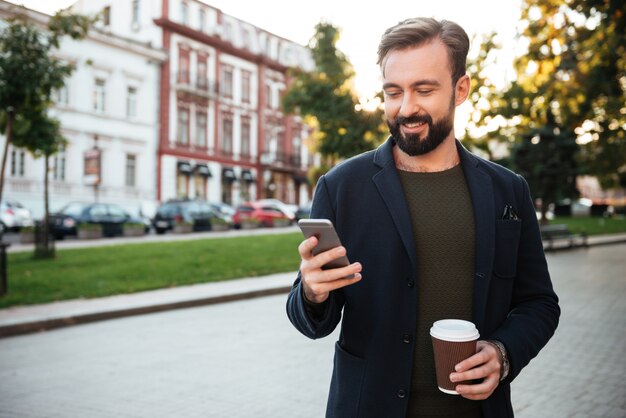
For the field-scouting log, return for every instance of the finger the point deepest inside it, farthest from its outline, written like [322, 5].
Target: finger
[321, 259]
[306, 247]
[337, 274]
[329, 286]
[477, 359]
[479, 391]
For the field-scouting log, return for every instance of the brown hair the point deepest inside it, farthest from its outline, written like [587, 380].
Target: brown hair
[420, 30]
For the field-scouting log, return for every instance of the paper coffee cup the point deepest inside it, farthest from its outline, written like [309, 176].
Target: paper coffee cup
[454, 340]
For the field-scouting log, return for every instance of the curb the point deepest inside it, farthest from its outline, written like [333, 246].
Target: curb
[55, 323]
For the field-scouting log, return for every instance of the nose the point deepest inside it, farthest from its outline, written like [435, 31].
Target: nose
[409, 105]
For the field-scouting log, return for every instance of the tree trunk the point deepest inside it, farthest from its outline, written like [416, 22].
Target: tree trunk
[9, 139]
[45, 248]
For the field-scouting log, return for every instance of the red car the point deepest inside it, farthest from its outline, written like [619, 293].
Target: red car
[253, 214]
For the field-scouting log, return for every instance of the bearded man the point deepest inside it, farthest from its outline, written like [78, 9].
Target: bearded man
[434, 232]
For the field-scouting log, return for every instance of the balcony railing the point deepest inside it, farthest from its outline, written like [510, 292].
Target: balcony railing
[201, 88]
[280, 159]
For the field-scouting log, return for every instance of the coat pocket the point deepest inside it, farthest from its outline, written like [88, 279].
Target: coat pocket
[507, 244]
[346, 385]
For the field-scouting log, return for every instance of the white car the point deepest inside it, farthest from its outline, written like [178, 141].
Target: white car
[13, 215]
[287, 209]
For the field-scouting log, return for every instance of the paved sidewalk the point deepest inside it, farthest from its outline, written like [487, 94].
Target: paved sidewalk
[26, 319]
[21, 320]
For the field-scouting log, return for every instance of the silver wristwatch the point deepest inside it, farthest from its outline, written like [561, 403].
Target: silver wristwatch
[505, 359]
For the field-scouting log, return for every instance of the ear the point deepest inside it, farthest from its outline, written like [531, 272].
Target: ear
[461, 90]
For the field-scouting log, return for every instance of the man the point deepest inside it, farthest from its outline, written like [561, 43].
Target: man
[433, 232]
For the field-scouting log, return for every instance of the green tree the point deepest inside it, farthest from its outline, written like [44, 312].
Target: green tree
[41, 136]
[576, 66]
[28, 72]
[546, 157]
[28, 76]
[326, 99]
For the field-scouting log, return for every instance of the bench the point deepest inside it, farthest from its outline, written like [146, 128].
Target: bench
[559, 233]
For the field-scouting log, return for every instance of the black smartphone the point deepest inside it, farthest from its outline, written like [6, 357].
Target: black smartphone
[327, 238]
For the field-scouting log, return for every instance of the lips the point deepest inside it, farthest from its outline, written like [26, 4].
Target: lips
[413, 125]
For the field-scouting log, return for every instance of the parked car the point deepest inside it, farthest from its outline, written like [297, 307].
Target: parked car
[304, 211]
[258, 214]
[288, 209]
[13, 216]
[198, 213]
[224, 209]
[109, 216]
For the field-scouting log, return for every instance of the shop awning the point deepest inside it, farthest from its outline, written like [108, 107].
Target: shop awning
[184, 167]
[246, 175]
[228, 174]
[203, 170]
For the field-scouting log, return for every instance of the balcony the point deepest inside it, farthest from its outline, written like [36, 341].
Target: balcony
[204, 89]
[280, 160]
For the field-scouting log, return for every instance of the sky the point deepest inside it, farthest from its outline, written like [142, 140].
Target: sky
[361, 25]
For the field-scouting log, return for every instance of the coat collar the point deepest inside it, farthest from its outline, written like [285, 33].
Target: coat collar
[481, 191]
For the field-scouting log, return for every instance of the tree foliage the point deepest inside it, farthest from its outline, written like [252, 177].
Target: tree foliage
[326, 99]
[28, 76]
[28, 72]
[571, 77]
[576, 62]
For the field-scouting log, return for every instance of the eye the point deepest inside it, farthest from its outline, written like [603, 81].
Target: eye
[392, 93]
[424, 92]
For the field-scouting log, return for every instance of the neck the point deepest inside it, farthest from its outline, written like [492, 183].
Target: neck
[442, 158]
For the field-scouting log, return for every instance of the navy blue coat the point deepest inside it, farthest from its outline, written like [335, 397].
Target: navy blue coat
[513, 298]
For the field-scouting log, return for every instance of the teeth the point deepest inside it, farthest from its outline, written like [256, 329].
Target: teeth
[413, 125]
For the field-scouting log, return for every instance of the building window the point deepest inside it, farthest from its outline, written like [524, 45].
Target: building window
[268, 96]
[227, 81]
[246, 78]
[135, 13]
[17, 163]
[131, 169]
[201, 130]
[202, 22]
[200, 183]
[131, 102]
[201, 73]
[183, 65]
[227, 135]
[106, 16]
[99, 95]
[58, 168]
[245, 137]
[182, 129]
[61, 96]
[184, 13]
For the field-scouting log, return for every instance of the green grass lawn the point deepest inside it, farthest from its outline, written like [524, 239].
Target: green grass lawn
[593, 226]
[103, 271]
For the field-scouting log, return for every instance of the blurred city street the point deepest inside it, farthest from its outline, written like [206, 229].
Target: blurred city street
[244, 359]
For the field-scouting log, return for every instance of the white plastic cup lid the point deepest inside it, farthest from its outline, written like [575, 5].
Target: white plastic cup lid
[456, 330]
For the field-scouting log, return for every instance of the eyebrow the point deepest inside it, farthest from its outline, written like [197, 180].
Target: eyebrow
[416, 84]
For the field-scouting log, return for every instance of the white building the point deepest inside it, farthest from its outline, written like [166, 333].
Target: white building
[111, 103]
[222, 134]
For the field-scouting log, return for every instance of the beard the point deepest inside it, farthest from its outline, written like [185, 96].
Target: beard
[411, 144]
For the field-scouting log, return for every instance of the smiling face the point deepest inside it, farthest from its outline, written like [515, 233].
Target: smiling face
[420, 98]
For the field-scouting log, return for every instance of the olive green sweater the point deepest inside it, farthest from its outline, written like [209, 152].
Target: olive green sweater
[442, 217]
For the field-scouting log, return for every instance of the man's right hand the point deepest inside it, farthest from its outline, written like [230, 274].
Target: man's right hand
[317, 283]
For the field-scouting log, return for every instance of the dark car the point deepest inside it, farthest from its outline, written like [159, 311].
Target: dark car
[304, 211]
[198, 213]
[110, 217]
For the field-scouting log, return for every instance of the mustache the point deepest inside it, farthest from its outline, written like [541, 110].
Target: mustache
[413, 119]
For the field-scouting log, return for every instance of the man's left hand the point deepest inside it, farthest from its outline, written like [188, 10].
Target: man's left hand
[485, 364]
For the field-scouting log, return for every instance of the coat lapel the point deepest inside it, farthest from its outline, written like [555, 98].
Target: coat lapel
[481, 190]
[390, 189]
